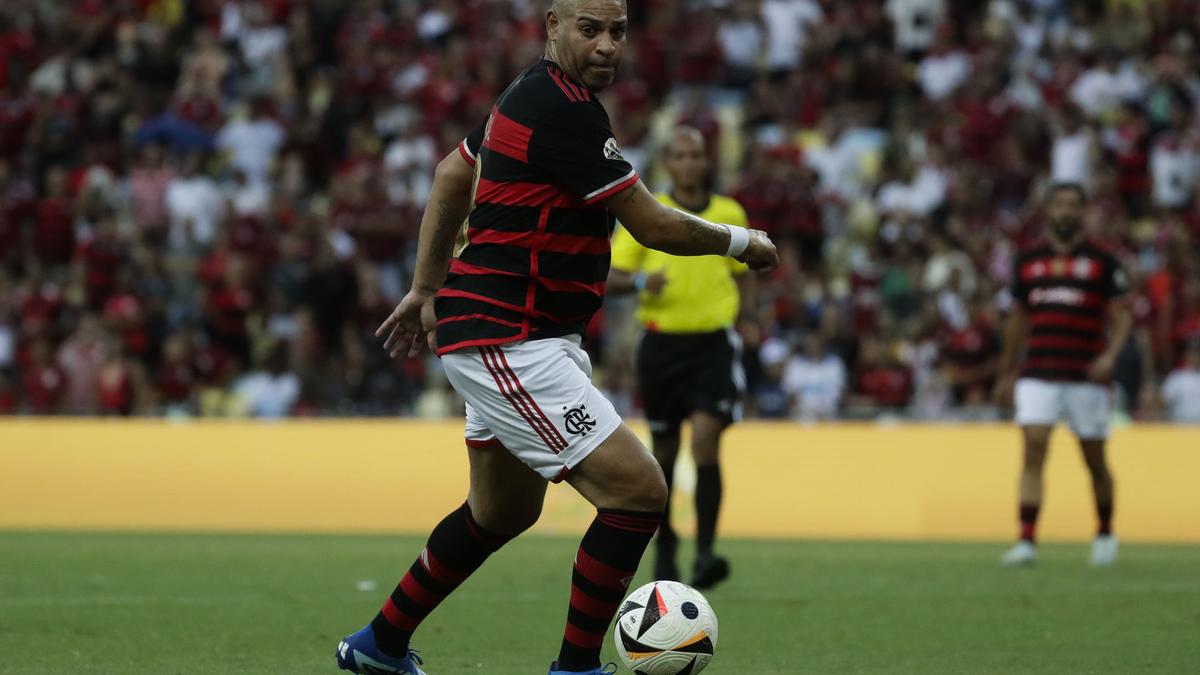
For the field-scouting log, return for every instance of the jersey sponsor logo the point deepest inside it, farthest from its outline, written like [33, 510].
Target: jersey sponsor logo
[578, 421]
[1082, 268]
[612, 150]
[1057, 295]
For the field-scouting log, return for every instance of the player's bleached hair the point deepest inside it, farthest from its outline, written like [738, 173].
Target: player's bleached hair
[565, 8]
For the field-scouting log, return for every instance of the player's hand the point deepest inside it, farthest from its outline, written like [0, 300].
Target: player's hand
[655, 283]
[410, 325]
[760, 255]
[1002, 392]
[1101, 369]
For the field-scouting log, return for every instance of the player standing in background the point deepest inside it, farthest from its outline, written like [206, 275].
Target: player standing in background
[542, 182]
[689, 362]
[1063, 291]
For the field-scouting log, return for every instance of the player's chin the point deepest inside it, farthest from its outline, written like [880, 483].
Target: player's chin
[599, 79]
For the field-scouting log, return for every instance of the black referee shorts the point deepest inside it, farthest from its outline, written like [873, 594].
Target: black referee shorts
[683, 373]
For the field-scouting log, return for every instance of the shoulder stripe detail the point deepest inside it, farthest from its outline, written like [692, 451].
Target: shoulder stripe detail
[554, 75]
[613, 187]
[575, 93]
[466, 153]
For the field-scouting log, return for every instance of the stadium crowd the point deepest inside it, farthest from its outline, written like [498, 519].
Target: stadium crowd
[206, 207]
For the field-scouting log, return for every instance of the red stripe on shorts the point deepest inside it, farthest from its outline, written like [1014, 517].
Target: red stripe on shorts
[517, 403]
[533, 403]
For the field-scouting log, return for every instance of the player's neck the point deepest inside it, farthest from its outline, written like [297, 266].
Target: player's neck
[1066, 246]
[552, 57]
[694, 199]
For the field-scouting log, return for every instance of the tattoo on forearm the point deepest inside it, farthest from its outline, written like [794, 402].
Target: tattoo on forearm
[441, 245]
[444, 234]
[704, 233]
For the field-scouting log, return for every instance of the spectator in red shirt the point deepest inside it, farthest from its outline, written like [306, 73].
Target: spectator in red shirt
[54, 233]
[44, 383]
[971, 353]
[881, 380]
[176, 379]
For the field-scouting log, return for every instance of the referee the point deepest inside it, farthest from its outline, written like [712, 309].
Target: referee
[689, 363]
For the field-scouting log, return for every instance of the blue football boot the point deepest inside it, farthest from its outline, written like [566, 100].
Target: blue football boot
[358, 653]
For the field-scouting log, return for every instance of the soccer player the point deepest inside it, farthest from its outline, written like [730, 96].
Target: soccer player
[689, 362]
[542, 182]
[1067, 292]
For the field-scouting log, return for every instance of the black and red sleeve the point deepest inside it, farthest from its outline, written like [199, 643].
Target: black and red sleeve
[469, 147]
[574, 143]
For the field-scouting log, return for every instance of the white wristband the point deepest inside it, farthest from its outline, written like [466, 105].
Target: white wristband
[739, 240]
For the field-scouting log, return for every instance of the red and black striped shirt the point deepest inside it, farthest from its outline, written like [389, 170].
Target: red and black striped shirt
[1067, 298]
[537, 252]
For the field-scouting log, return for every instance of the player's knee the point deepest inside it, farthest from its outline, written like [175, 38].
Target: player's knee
[509, 517]
[652, 495]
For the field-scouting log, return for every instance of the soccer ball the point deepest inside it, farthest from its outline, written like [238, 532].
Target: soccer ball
[666, 628]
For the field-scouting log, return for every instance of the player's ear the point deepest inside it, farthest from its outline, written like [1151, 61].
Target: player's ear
[551, 24]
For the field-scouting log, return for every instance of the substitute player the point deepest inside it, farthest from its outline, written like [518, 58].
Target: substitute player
[689, 362]
[1068, 293]
[507, 315]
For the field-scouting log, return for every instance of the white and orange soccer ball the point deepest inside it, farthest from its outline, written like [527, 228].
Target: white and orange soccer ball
[666, 628]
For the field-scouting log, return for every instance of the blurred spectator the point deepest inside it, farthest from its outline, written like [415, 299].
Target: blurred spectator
[1175, 161]
[915, 23]
[80, 359]
[788, 23]
[881, 381]
[815, 381]
[186, 186]
[194, 204]
[1181, 389]
[771, 400]
[45, 383]
[271, 391]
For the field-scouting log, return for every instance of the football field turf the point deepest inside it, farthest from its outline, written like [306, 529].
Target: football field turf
[141, 603]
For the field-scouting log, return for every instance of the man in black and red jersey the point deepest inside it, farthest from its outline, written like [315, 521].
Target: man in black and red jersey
[1069, 300]
[542, 181]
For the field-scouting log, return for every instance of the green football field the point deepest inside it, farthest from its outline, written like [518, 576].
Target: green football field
[119, 603]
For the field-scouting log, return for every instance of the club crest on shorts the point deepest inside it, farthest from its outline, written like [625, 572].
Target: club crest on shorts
[578, 421]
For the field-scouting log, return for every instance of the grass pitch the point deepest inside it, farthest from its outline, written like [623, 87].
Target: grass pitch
[143, 603]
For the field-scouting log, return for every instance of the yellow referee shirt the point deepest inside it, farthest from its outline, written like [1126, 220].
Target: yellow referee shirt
[701, 295]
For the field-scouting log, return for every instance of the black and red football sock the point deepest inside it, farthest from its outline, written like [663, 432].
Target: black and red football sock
[708, 505]
[456, 548]
[607, 560]
[1104, 513]
[1028, 516]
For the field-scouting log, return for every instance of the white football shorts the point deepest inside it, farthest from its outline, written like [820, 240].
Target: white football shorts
[1085, 406]
[535, 398]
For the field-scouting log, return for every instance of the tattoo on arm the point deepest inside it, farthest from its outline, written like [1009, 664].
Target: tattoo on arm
[630, 194]
[444, 236]
[704, 233]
